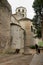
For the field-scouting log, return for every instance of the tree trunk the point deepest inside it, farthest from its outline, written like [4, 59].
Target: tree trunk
[42, 29]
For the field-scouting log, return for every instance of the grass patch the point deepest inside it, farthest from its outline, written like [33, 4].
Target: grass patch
[40, 44]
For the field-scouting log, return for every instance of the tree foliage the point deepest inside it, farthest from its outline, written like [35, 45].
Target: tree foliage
[37, 5]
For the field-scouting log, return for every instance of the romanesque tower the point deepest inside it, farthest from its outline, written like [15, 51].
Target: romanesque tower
[20, 13]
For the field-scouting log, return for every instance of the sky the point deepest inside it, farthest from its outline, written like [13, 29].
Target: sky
[25, 3]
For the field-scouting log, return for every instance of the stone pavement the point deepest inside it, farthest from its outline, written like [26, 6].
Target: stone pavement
[16, 59]
[37, 59]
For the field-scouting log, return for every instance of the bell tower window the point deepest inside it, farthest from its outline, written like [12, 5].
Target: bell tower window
[18, 10]
[23, 10]
[23, 15]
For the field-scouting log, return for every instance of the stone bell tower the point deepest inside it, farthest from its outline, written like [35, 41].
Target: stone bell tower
[21, 11]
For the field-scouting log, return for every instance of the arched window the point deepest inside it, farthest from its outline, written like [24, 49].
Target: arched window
[18, 10]
[23, 10]
[31, 29]
[23, 15]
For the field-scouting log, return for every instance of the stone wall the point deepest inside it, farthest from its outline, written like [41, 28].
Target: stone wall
[5, 12]
[17, 35]
[26, 25]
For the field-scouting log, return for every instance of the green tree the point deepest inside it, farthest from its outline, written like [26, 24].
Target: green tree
[37, 5]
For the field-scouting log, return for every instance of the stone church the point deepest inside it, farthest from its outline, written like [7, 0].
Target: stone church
[21, 34]
[15, 29]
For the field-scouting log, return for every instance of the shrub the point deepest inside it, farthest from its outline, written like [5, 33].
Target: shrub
[32, 47]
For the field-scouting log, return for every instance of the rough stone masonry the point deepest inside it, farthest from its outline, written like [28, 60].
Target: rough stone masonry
[5, 14]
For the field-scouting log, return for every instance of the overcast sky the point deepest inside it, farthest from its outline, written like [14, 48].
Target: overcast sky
[25, 3]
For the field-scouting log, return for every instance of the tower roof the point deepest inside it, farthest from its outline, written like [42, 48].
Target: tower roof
[24, 19]
[21, 7]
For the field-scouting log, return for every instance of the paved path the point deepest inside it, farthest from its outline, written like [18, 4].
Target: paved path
[16, 59]
[37, 59]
